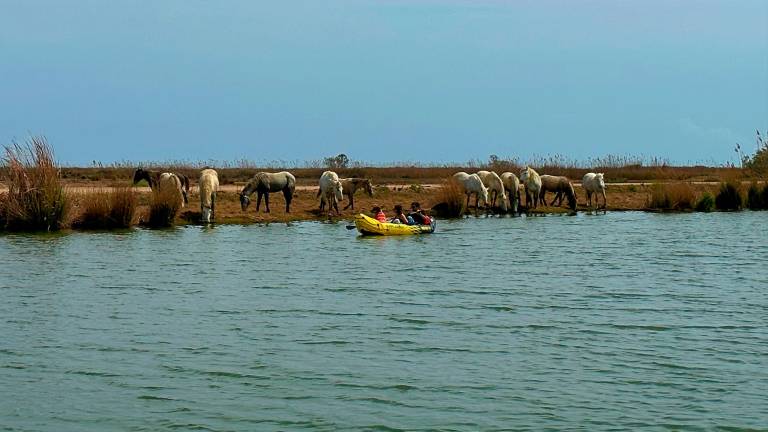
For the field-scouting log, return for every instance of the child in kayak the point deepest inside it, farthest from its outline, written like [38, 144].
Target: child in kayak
[379, 214]
[400, 217]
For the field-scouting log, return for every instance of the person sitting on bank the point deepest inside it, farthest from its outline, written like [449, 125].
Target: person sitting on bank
[418, 215]
[400, 217]
[379, 214]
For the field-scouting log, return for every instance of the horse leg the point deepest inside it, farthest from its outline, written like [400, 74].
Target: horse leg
[213, 207]
[258, 200]
[558, 198]
[469, 195]
[605, 202]
[350, 202]
[266, 201]
[288, 197]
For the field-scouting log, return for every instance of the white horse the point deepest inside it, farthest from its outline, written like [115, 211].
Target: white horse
[209, 185]
[532, 182]
[493, 182]
[512, 187]
[472, 184]
[594, 183]
[331, 191]
[171, 183]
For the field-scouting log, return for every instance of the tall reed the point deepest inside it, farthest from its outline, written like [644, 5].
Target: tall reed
[36, 200]
[729, 196]
[450, 199]
[165, 205]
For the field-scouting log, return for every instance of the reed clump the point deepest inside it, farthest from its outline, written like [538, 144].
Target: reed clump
[729, 196]
[165, 205]
[757, 197]
[107, 209]
[673, 196]
[36, 200]
[706, 203]
[450, 200]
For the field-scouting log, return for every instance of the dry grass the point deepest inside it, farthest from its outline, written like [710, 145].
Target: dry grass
[36, 200]
[450, 200]
[105, 209]
[671, 196]
[164, 207]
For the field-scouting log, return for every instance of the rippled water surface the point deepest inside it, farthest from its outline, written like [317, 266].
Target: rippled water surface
[622, 321]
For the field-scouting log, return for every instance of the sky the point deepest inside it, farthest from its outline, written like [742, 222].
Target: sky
[383, 81]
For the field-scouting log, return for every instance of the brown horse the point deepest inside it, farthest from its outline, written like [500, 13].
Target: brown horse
[351, 185]
[561, 186]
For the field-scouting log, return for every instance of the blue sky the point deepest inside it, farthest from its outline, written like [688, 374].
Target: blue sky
[416, 80]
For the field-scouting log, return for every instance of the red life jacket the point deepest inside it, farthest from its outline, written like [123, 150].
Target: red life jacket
[427, 220]
[381, 217]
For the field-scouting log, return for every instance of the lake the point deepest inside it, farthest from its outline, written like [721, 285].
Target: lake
[618, 321]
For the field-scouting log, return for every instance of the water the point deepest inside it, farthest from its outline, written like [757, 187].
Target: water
[623, 321]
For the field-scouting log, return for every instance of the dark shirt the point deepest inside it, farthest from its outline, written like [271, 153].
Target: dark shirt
[417, 217]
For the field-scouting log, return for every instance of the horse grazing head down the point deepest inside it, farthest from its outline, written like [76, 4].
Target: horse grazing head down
[600, 180]
[338, 191]
[368, 187]
[244, 201]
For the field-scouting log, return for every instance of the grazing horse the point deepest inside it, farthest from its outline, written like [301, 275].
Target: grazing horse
[512, 187]
[532, 182]
[263, 183]
[561, 186]
[331, 191]
[209, 185]
[493, 182]
[153, 178]
[594, 183]
[472, 184]
[351, 185]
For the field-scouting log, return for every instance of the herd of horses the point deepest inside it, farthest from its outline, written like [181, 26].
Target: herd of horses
[332, 189]
[496, 191]
[493, 189]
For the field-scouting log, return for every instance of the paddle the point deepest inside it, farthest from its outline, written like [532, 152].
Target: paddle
[350, 227]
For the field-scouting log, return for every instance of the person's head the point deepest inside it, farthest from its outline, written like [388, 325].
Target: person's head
[398, 209]
[415, 206]
[376, 210]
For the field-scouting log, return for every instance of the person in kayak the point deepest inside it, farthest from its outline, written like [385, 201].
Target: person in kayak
[418, 215]
[378, 214]
[400, 217]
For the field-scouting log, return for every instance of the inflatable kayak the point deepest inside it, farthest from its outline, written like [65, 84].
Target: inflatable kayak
[370, 226]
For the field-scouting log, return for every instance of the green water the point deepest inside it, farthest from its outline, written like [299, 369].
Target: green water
[624, 321]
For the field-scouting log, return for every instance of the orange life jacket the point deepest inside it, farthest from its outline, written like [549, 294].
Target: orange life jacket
[381, 217]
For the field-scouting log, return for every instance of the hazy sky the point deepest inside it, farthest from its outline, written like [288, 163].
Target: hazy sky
[418, 80]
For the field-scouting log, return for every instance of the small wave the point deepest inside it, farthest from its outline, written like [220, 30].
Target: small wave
[150, 397]
[92, 373]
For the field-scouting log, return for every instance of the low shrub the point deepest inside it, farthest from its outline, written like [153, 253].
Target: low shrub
[706, 203]
[36, 200]
[729, 196]
[107, 209]
[672, 196]
[755, 197]
[164, 207]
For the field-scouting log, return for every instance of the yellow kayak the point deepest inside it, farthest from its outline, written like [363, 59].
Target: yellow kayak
[370, 226]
